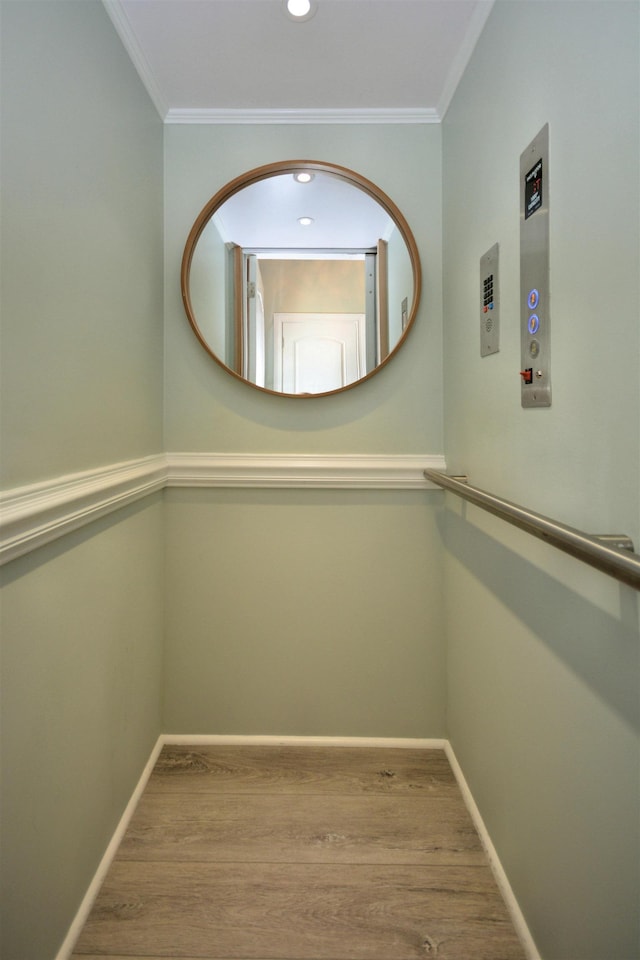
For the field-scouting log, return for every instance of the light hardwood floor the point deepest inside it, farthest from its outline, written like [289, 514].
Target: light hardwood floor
[300, 853]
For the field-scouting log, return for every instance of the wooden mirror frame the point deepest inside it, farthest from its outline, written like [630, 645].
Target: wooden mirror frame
[292, 167]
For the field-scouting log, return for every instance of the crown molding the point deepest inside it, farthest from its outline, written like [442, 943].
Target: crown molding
[315, 116]
[460, 62]
[123, 28]
[35, 514]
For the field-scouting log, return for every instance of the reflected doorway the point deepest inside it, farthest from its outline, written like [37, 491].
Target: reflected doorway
[339, 301]
[318, 352]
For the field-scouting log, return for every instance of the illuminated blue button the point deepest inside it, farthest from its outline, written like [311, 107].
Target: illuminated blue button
[534, 323]
[533, 299]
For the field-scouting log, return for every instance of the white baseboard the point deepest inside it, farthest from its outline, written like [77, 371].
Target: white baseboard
[84, 910]
[288, 741]
[515, 912]
[517, 917]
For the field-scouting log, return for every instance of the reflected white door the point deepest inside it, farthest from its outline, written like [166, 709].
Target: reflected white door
[317, 352]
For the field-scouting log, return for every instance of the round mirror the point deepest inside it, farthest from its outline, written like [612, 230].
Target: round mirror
[301, 278]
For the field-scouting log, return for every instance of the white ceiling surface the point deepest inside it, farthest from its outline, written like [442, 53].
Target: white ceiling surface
[266, 213]
[245, 60]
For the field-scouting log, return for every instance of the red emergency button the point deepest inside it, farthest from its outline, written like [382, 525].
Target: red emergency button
[527, 375]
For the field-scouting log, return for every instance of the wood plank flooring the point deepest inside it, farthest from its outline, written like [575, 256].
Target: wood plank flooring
[299, 853]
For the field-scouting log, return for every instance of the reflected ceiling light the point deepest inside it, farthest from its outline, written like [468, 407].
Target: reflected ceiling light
[305, 221]
[299, 9]
[303, 177]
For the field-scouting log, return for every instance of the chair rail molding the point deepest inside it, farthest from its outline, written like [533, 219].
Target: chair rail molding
[35, 514]
[302, 471]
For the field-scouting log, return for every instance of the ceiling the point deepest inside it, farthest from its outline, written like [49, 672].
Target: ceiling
[245, 60]
[266, 214]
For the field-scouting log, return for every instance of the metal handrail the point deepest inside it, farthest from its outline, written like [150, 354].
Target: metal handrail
[610, 553]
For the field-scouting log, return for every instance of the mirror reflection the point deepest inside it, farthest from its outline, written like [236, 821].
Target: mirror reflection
[301, 278]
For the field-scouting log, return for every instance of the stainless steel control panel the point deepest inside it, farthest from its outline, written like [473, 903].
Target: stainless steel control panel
[535, 344]
[489, 302]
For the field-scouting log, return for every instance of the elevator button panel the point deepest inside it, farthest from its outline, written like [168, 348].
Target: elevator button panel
[489, 303]
[535, 343]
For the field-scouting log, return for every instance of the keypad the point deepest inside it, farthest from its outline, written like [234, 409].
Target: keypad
[487, 293]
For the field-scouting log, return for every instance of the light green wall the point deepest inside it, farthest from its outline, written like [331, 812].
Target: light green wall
[542, 652]
[81, 243]
[397, 411]
[543, 692]
[304, 612]
[244, 570]
[81, 619]
[81, 624]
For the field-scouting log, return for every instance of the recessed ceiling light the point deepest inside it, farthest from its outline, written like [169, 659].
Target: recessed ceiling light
[303, 176]
[299, 9]
[305, 221]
